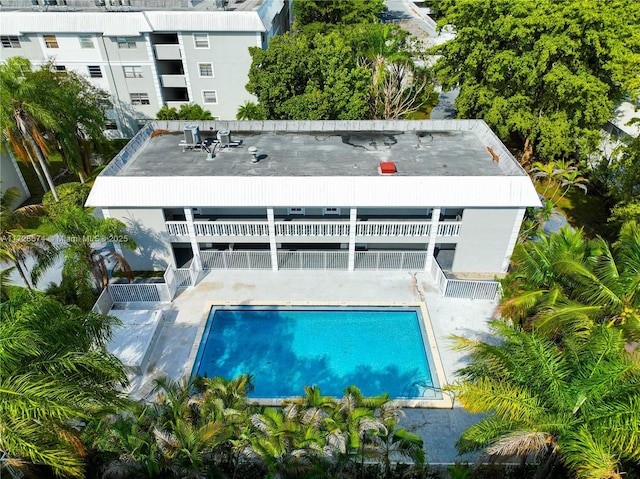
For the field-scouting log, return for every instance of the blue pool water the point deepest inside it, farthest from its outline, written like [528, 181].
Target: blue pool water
[379, 350]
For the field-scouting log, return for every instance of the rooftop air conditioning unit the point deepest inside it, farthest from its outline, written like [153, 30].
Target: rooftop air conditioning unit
[224, 137]
[192, 134]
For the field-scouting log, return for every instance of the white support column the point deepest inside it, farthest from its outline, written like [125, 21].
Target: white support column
[107, 214]
[433, 233]
[188, 213]
[513, 239]
[353, 215]
[272, 239]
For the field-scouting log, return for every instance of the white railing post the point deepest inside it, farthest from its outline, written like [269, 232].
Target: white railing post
[273, 247]
[353, 215]
[433, 232]
[188, 213]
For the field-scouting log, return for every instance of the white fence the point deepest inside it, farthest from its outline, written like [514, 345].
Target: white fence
[183, 278]
[236, 259]
[337, 260]
[177, 228]
[390, 260]
[385, 228]
[465, 288]
[140, 292]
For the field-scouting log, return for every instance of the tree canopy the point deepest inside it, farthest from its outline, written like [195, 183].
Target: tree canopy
[357, 72]
[336, 12]
[574, 403]
[55, 372]
[545, 72]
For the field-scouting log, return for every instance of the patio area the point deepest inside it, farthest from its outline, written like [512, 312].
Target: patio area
[184, 320]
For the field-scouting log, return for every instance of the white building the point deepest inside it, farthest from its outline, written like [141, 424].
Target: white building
[11, 176]
[147, 53]
[311, 195]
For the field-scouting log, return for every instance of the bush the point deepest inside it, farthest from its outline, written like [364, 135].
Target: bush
[71, 194]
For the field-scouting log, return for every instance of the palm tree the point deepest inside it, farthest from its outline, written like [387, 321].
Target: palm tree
[573, 404]
[85, 266]
[55, 372]
[25, 111]
[250, 111]
[17, 242]
[546, 171]
[565, 284]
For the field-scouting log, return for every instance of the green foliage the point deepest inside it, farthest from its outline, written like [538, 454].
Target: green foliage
[357, 72]
[337, 12]
[55, 372]
[72, 195]
[250, 111]
[44, 109]
[85, 266]
[561, 401]
[298, 78]
[190, 111]
[563, 284]
[547, 72]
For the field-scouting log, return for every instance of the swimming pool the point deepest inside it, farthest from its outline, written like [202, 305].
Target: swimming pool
[378, 349]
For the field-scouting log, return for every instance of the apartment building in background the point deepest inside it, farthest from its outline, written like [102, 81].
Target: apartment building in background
[147, 53]
[341, 195]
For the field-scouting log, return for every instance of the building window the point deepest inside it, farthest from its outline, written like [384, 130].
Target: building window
[206, 69]
[140, 99]
[60, 68]
[126, 42]
[10, 42]
[132, 71]
[111, 125]
[201, 40]
[209, 96]
[295, 211]
[50, 41]
[86, 41]
[331, 211]
[95, 71]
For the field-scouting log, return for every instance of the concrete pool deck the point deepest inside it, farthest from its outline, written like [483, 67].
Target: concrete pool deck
[184, 319]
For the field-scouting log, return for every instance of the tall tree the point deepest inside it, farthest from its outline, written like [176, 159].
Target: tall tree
[17, 242]
[55, 373]
[85, 266]
[81, 117]
[573, 404]
[546, 72]
[25, 111]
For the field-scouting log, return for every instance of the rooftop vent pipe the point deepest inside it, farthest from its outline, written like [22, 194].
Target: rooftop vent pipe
[387, 168]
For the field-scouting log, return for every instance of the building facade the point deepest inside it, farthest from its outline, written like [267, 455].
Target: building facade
[147, 53]
[317, 195]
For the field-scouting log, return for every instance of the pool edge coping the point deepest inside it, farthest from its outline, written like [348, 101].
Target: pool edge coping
[445, 403]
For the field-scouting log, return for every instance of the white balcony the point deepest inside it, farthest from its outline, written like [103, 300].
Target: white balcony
[167, 52]
[303, 228]
[173, 81]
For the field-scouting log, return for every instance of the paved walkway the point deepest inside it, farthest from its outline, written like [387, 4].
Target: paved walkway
[185, 318]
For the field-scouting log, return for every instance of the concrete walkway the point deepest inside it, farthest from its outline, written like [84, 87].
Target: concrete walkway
[186, 315]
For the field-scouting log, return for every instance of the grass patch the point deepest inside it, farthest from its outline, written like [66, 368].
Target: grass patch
[587, 211]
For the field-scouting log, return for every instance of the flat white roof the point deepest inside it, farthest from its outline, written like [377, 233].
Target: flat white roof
[440, 163]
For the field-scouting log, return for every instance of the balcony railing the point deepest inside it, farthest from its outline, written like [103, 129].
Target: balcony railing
[314, 228]
[173, 81]
[387, 228]
[167, 52]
